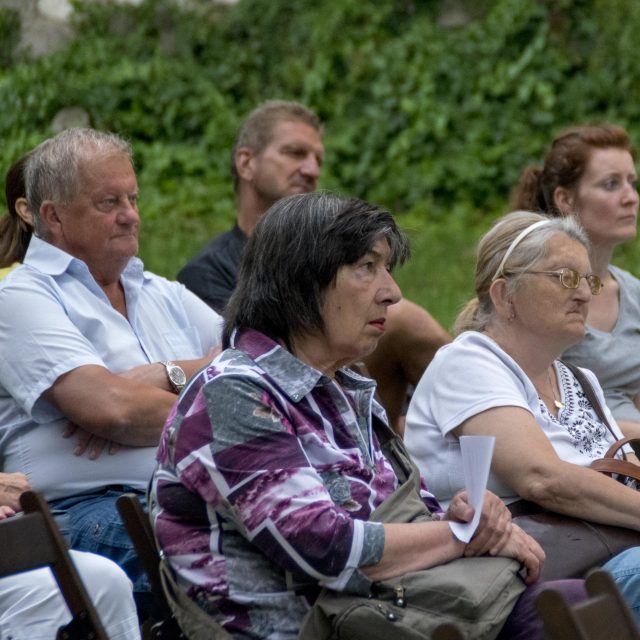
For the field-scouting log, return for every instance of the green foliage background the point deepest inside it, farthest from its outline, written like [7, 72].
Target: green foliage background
[432, 121]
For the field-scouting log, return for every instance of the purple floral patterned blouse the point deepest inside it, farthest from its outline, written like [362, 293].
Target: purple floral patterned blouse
[268, 471]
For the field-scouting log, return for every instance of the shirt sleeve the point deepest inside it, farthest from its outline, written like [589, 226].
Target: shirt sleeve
[210, 279]
[466, 378]
[240, 454]
[622, 405]
[38, 343]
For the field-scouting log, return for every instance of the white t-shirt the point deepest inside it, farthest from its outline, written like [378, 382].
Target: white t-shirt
[473, 374]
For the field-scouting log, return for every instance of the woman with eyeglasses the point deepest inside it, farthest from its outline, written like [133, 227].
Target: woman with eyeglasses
[502, 376]
[590, 172]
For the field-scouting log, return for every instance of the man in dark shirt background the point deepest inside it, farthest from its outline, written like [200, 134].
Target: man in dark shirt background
[278, 152]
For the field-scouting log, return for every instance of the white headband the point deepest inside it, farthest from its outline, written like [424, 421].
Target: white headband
[518, 239]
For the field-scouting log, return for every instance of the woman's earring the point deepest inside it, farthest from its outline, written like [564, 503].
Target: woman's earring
[512, 315]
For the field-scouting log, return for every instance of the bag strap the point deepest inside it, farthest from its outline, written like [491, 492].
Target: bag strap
[395, 452]
[194, 622]
[613, 449]
[609, 466]
[404, 504]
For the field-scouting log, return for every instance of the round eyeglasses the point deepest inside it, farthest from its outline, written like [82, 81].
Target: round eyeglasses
[570, 279]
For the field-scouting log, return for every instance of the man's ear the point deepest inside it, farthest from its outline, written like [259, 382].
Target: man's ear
[50, 219]
[564, 200]
[245, 165]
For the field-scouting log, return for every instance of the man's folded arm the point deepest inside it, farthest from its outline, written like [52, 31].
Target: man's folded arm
[114, 407]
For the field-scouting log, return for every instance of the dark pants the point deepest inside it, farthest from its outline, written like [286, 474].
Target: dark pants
[524, 623]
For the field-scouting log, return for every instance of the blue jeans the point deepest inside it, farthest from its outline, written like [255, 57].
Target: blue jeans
[91, 522]
[625, 569]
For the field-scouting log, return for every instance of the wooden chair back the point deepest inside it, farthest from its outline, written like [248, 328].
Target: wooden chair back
[602, 616]
[32, 540]
[138, 526]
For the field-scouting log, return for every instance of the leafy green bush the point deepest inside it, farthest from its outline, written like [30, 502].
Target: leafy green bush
[9, 35]
[435, 122]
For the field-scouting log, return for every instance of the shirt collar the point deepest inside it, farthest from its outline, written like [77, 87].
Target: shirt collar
[53, 261]
[294, 377]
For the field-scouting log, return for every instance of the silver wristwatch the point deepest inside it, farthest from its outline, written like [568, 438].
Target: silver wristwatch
[176, 375]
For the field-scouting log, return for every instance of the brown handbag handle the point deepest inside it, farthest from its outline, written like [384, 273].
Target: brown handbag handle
[613, 449]
[609, 466]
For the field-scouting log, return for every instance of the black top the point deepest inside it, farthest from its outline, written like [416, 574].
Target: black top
[212, 274]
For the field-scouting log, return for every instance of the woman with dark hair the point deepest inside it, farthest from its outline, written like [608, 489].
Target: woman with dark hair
[16, 226]
[590, 172]
[269, 466]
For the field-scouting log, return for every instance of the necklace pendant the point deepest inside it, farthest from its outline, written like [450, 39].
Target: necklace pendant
[558, 404]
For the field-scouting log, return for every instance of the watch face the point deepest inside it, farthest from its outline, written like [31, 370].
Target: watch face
[177, 376]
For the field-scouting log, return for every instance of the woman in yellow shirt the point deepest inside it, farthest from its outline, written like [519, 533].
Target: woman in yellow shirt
[16, 226]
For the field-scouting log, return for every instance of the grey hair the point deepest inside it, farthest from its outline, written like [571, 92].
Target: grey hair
[293, 256]
[52, 170]
[492, 247]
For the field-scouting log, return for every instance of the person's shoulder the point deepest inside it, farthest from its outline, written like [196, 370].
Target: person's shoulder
[470, 342]
[227, 247]
[223, 249]
[625, 278]
[5, 271]
[472, 356]
[159, 283]
[222, 240]
[225, 242]
[25, 278]
[173, 291]
[234, 372]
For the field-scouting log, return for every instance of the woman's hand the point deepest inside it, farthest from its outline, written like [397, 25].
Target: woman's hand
[524, 548]
[12, 485]
[494, 528]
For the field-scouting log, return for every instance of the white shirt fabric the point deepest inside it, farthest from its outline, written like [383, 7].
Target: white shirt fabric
[473, 374]
[54, 318]
[32, 606]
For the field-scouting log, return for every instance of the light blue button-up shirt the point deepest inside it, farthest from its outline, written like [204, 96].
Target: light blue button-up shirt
[54, 317]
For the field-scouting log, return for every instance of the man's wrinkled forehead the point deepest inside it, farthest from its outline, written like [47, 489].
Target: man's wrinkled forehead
[276, 135]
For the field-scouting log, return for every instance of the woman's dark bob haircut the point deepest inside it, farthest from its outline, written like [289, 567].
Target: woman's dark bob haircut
[293, 256]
